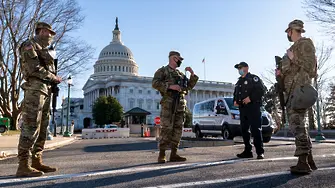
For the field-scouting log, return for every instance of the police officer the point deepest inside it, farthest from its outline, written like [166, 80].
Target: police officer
[39, 73]
[248, 94]
[170, 82]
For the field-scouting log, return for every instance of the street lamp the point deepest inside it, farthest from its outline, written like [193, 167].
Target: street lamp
[54, 88]
[320, 134]
[67, 132]
[61, 128]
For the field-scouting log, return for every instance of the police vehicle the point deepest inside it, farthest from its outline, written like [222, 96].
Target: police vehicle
[219, 117]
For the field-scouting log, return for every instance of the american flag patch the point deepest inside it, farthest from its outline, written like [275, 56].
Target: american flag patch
[28, 47]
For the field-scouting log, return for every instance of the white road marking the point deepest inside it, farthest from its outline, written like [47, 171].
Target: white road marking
[197, 183]
[144, 169]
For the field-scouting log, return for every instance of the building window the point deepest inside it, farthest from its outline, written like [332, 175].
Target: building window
[81, 107]
[118, 53]
[157, 92]
[126, 69]
[120, 68]
[111, 68]
[140, 91]
[123, 69]
[131, 103]
[107, 68]
[157, 105]
[140, 103]
[149, 107]
[131, 91]
[149, 92]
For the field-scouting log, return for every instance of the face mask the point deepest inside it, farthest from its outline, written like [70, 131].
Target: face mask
[178, 63]
[45, 40]
[241, 72]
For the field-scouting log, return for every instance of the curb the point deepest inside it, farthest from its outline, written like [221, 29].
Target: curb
[51, 146]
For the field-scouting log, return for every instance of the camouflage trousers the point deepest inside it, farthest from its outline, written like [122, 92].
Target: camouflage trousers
[35, 120]
[171, 132]
[297, 125]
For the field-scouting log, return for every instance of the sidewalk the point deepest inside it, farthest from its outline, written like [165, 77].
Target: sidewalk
[8, 144]
[239, 139]
[328, 140]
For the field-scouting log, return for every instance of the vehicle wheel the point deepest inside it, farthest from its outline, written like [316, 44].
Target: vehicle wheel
[266, 139]
[198, 133]
[226, 134]
[2, 129]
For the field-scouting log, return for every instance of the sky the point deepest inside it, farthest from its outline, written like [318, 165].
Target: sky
[224, 32]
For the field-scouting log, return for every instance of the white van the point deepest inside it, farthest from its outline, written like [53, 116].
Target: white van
[219, 117]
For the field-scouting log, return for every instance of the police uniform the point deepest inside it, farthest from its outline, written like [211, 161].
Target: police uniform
[173, 112]
[250, 114]
[39, 73]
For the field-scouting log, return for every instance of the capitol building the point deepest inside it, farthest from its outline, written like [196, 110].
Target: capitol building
[116, 74]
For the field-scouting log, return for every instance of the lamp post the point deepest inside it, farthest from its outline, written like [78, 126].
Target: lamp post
[61, 127]
[69, 83]
[319, 136]
[54, 90]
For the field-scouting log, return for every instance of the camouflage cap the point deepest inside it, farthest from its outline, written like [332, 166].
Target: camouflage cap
[43, 25]
[296, 24]
[171, 53]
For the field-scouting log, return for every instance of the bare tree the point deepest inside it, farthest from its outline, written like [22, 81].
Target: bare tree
[322, 12]
[324, 66]
[17, 21]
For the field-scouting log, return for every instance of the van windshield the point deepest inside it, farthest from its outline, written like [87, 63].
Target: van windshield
[230, 104]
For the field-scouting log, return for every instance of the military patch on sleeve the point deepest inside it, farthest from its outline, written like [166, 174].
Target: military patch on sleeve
[256, 79]
[29, 50]
[29, 47]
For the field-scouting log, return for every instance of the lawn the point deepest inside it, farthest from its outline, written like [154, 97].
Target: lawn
[11, 132]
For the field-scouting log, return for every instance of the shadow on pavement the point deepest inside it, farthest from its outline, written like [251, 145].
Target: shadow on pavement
[130, 177]
[123, 147]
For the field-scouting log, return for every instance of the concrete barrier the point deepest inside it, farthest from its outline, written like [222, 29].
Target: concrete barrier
[100, 133]
[187, 132]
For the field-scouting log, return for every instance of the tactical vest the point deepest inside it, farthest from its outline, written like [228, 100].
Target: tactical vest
[175, 77]
[43, 55]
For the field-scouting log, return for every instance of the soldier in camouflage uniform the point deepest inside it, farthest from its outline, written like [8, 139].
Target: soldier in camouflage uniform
[298, 69]
[38, 72]
[167, 81]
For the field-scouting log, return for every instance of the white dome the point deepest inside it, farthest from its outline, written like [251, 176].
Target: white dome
[116, 50]
[115, 59]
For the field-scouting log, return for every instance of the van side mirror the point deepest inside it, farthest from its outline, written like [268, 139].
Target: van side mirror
[221, 110]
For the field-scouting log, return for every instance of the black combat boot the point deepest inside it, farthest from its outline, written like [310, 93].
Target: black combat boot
[245, 154]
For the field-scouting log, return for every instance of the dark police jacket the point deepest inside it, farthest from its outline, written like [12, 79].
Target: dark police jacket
[250, 86]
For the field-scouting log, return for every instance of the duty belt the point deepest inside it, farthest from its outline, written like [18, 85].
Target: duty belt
[171, 93]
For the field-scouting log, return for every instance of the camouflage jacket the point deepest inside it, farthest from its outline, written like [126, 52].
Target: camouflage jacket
[37, 67]
[166, 76]
[302, 68]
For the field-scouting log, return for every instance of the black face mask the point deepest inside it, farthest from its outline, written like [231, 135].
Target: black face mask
[178, 63]
[289, 38]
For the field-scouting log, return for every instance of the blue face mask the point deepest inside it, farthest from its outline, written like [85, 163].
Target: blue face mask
[241, 72]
